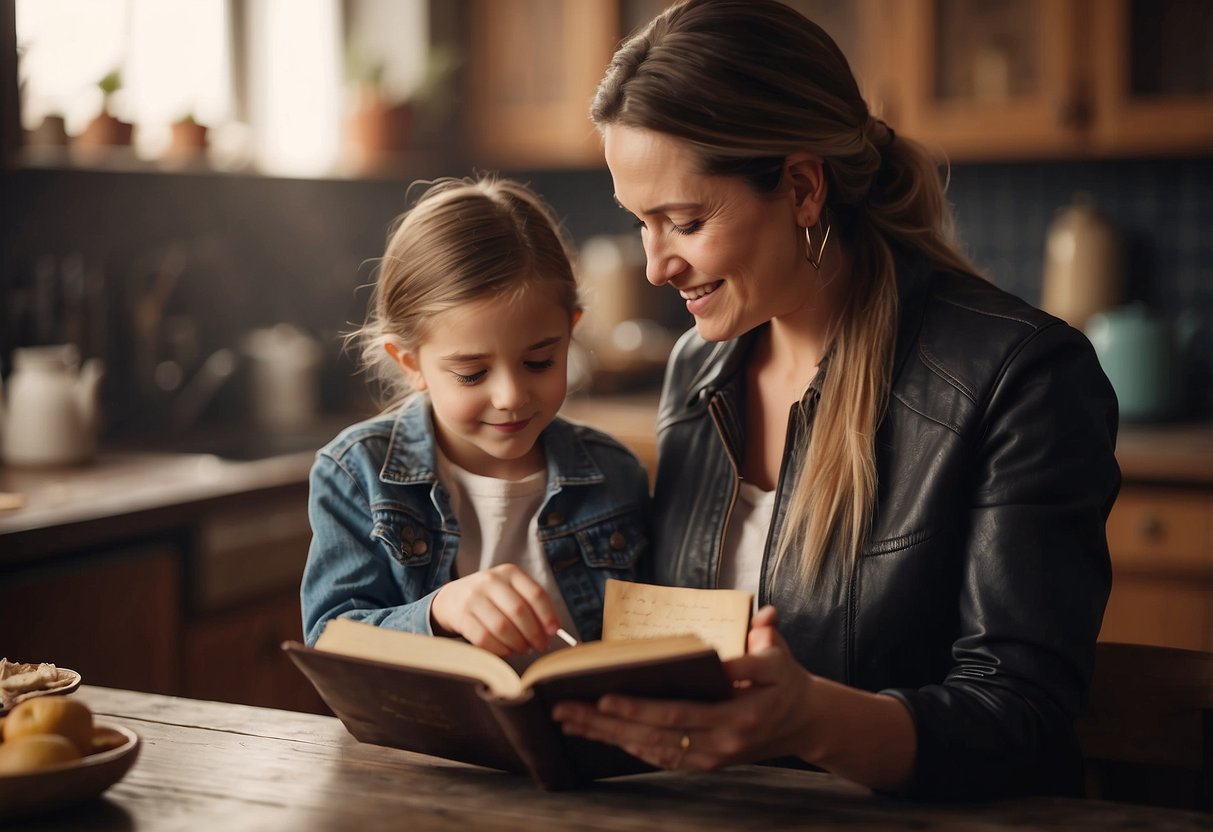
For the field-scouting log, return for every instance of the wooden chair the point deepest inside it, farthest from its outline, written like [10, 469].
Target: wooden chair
[1147, 736]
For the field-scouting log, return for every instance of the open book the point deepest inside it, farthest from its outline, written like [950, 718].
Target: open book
[450, 699]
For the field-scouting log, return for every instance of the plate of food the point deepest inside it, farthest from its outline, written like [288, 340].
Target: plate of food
[21, 681]
[53, 755]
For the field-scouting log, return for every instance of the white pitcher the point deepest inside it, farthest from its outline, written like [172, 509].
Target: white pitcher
[51, 414]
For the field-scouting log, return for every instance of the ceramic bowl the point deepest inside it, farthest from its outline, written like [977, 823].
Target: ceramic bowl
[56, 787]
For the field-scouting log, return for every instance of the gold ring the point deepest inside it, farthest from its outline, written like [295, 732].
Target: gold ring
[684, 745]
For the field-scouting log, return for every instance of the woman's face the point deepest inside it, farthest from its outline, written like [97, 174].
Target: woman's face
[735, 257]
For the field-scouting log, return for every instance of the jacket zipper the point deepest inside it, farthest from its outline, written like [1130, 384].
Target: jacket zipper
[714, 412]
[788, 436]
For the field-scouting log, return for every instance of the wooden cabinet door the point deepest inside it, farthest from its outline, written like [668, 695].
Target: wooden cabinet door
[533, 67]
[236, 656]
[1152, 65]
[990, 78]
[861, 30]
[111, 615]
[1161, 541]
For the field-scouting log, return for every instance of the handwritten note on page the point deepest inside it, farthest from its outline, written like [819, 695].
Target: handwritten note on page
[721, 617]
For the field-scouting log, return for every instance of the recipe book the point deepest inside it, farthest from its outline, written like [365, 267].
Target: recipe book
[450, 699]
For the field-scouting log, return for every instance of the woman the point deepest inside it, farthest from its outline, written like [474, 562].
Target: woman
[909, 467]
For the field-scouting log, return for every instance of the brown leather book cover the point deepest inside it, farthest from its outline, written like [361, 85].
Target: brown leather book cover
[454, 716]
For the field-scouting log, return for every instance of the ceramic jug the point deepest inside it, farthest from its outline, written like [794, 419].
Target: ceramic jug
[1142, 355]
[51, 416]
[1084, 257]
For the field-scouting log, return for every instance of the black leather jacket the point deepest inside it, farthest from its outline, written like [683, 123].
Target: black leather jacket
[979, 594]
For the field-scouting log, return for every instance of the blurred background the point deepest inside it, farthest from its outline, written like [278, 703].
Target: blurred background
[181, 173]
[193, 193]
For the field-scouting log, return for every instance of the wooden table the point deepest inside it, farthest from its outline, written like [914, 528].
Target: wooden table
[213, 766]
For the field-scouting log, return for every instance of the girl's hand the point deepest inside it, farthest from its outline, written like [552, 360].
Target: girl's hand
[501, 609]
[771, 713]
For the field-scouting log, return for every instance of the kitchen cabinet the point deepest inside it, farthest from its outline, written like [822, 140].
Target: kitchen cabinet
[533, 67]
[236, 656]
[1152, 65]
[169, 573]
[111, 614]
[1160, 535]
[994, 79]
[246, 565]
[1161, 539]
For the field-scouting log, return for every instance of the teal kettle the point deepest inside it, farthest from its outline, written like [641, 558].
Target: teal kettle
[1142, 355]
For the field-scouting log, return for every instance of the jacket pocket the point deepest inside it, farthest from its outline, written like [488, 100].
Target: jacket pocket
[404, 537]
[618, 542]
[896, 544]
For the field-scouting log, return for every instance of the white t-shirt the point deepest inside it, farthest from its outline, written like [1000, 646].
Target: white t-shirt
[746, 538]
[498, 524]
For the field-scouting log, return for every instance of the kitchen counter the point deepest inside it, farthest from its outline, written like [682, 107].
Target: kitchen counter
[126, 493]
[1180, 453]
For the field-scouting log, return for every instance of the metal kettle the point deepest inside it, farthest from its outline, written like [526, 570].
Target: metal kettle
[52, 414]
[1142, 354]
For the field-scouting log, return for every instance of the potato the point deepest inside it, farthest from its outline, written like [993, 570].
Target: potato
[31, 752]
[62, 715]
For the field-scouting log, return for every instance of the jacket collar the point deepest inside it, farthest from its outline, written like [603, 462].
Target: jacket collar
[913, 287]
[410, 453]
[720, 367]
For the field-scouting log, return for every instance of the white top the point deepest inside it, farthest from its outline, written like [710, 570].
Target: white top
[746, 538]
[498, 524]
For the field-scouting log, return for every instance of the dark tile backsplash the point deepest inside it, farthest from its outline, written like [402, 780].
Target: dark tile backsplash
[80, 251]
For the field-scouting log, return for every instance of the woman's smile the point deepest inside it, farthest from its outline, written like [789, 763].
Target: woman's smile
[699, 297]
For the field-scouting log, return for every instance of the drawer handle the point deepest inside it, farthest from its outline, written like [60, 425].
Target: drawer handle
[1151, 527]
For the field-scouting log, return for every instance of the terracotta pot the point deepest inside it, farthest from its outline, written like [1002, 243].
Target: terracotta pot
[105, 130]
[376, 131]
[188, 136]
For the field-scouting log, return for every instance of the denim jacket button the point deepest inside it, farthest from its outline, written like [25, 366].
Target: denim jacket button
[617, 541]
[420, 547]
[555, 519]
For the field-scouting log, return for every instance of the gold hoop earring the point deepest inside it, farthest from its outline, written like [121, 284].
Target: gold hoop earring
[814, 257]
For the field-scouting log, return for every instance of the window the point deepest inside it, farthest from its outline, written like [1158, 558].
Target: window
[268, 78]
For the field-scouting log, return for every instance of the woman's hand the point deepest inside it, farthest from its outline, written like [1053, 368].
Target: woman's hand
[770, 715]
[501, 609]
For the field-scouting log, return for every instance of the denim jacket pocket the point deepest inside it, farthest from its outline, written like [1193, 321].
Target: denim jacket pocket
[618, 542]
[405, 537]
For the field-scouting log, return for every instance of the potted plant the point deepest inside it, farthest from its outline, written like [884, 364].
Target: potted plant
[106, 129]
[378, 128]
[188, 137]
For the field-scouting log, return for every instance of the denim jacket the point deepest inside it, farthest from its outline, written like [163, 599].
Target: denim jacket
[384, 536]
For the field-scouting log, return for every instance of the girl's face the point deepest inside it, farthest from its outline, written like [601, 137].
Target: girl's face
[496, 371]
[735, 257]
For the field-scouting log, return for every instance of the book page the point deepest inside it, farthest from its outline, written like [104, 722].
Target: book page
[448, 655]
[721, 617]
[601, 655]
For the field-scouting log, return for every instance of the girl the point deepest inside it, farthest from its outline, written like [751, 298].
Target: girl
[471, 509]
